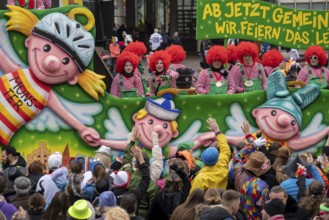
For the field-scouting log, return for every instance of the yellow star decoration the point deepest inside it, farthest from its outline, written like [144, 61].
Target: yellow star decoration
[59, 137]
[239, 32]
[14, 38]
[125, 106]
[108, 102]
[198, 108]
[245, 100]
[62, 88]
[75, 145]
[280, 42]
[98, 126]
[207, 36]
[183, 102]
[32, 137]
[201, 27]
[201, 3]
[268, 20]
[219, 103]
[245, 18]
[225, 35]
[20, 51]
[259, 39]
[20, 141]
[184, 117]
[312, 30]
[138, 102]
[308, 113]
[298, 46]
[77, 95]
[209, 22]
[324, 99]
[298, 28]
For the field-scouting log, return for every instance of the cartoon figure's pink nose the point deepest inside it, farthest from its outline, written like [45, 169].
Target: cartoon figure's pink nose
[283, 121]
[51, 63]
[158, 129]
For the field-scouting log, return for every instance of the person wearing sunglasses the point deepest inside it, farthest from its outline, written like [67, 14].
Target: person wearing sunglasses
[315, 72]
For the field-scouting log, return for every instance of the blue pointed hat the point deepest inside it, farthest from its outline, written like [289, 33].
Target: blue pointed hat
[162, 108]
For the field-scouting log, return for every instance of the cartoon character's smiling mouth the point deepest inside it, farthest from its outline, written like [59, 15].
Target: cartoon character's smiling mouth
[41, 69]
[272, 127]
[164, 137]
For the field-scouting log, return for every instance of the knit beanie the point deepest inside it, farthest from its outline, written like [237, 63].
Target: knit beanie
[209, 156]
[107, 199]
[274, 207]
[121, 179]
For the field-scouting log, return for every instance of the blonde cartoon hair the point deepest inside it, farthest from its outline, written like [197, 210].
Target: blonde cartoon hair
[23, 21]
[143, 113]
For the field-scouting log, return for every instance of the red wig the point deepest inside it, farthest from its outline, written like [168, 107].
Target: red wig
[317, 51]
[126, 57]
[137, 48]
[216, 53]
[272, 58]
[177, 53]
[231, 54]
[159, 55]
[247, 48]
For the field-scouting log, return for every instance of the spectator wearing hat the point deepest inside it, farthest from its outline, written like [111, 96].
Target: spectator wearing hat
[281, 159]
[121, 179]
[102, 155]
[292, 209]
[46, 184]
[301, 63]
[6, 208]
[13, 164]
[36, 207]
[106, 199]
[79, 210]
[273, 210]
[295, 182]
[22, 187]
[215, 172]
[249, 165]
[134, 169]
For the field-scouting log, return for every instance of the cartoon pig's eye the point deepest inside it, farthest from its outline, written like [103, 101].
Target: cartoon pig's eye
[293, 122]
[65, 61]
[150, 121]
[165, 125]
[46, 48]
[273, 113]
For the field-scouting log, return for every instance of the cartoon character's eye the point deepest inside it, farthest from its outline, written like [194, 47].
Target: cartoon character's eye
[46, 48]
[293, 122]
[150, 121]
[273, 113]
[165, 125]
[65, 61]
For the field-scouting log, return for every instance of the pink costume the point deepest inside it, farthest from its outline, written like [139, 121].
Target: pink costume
[41, 4]
[256, 71]
[207, 77]
[168, 83]
[22, 97]
[317, 76]
[127, 84]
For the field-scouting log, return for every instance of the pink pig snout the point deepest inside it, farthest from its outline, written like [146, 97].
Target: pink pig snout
[283, 121]
[51, 63]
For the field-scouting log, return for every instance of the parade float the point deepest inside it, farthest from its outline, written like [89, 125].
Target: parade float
[80, 119]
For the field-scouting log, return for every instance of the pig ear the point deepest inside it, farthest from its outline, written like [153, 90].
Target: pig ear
[27, 42]
[73, 80]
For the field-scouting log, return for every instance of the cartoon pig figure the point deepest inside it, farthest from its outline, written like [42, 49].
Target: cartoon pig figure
[59, 50]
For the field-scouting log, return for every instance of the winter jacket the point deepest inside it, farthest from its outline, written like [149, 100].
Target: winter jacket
[165, 202]
[141, 189]
[21, 200]
[290, 185]
[295, 212]
[215, 176]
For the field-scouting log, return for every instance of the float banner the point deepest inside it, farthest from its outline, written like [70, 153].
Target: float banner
[262, 21]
